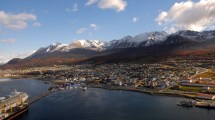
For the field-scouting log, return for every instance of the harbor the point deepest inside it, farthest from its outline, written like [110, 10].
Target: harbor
[17, 95]
[17, 103]
[102, 104]
[60, 87]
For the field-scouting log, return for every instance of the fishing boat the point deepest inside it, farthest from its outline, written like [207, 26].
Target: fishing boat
[2, 98]
[186, 103]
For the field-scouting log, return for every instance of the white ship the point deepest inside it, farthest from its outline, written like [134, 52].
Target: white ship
[14, 100]
[2, 98]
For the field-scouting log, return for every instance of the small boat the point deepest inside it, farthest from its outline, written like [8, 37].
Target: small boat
[84, 88]
[46, 82]
[186, 103]
[75, 86]
[2, 98]
[61, 89]
[71, 87]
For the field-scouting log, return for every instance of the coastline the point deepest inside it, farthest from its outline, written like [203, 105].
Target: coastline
[200, 103]
[132, 89]
[149, 92]
[210, 104]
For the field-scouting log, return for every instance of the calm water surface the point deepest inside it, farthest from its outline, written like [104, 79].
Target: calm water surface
[100, 104]
[31, 86]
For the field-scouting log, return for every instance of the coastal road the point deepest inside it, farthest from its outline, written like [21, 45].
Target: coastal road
[193, 76]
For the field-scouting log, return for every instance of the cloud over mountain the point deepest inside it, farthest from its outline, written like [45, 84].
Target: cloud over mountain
[6, 57]
[16, 21]
[188, 15]
[81, 30]
[118, 5]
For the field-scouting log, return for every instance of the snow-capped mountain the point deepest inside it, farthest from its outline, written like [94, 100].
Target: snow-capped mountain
[129, 47]
[83, 44]
[49, 49]
[96, 45]
[195, 36]
[146, 39]
[79, 48]
[55, 46]
[142, 40]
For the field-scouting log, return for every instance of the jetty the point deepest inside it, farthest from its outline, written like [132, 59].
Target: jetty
[36, 98]
[205, 104]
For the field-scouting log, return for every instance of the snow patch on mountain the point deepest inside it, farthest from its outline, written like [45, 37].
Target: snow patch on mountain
[86, 44]
[146, 39]
[55, 46]
[195, 36]
[89, 44]
[141, 40]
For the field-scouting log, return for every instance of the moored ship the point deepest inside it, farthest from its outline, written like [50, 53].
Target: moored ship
[13, 105]
[186, 103]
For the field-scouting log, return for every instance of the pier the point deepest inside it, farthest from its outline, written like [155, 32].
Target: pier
[34, 99]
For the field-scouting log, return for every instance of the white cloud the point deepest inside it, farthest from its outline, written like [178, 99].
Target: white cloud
[94, 26]
[25, 54]
[73, 9]
[118, 5]
[7, 57]
[16, 21]
[37, 24]
[88, 29]
[135, 19]
[81, 30]
[188, 15]
[90, 2]
[8, 41]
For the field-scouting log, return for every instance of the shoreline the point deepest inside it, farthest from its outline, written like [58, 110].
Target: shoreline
[144, 91]
[132, 89]
[199, 103]
[203, 103]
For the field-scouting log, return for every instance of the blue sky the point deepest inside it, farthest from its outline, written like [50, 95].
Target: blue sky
[26, 25]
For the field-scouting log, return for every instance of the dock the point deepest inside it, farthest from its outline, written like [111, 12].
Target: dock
[34, 99]
[205, 104]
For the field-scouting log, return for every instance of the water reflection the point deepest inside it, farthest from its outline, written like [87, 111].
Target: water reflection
[100, 104]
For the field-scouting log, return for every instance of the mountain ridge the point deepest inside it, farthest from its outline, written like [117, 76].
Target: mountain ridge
[147, 44]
